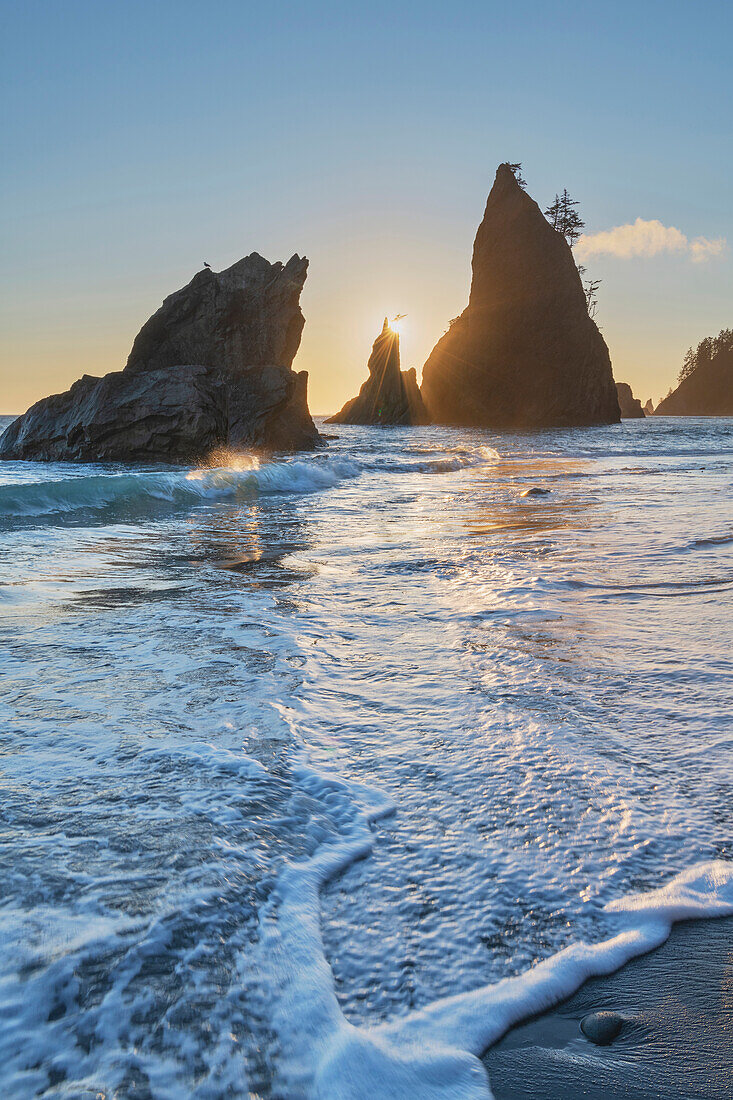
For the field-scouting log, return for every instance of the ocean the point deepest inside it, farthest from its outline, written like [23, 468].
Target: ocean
[307, 763]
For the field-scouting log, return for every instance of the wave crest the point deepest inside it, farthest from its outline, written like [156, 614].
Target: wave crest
[179, 488]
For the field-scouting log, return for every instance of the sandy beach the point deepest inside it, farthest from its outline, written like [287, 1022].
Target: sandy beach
[676, 1042]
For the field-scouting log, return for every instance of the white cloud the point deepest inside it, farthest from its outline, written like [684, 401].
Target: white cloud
[702, 249]
[647, 238]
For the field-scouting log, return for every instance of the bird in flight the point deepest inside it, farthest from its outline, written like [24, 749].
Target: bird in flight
[399, 317]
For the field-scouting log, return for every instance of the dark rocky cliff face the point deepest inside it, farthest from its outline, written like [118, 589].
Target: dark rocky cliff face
[629, 405]
[707, 392]
[247, 315]
[211, 368]
[524, 353]
[389, 395]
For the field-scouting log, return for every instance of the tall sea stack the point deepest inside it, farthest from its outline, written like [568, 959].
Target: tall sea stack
[524, 353]
[210, 369]
[389, 395]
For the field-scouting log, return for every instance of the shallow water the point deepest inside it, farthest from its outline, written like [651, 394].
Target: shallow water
[518, 708]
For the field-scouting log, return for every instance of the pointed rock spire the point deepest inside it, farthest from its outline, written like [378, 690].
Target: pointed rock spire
[389, 395]
[524, 352]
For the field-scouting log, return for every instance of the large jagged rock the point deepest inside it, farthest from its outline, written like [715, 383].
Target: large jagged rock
[708, 391]
[649, 407]
[629, 405]
[524, 353]
[389, 395]
[211, 369]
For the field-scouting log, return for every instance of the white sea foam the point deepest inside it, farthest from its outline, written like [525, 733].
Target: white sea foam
[203, 754]
[434, 1053]
[181, 488]
[187, 909]
[245, 475]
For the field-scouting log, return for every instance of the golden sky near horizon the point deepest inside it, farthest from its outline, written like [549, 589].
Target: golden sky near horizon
[88, 328]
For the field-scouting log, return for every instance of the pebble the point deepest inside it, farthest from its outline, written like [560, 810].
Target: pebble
[601, 1028]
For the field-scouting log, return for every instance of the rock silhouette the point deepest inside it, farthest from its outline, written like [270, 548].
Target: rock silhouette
[389, 395]
[708, 391]
[649, 408]
[629, 405]
[210, 369]
[524, 353]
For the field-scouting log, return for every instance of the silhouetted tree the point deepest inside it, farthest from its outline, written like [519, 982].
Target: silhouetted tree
[563, 217]
[553, 213]
[706, 350]
[590, 289]
[688, 365]
[517, 170]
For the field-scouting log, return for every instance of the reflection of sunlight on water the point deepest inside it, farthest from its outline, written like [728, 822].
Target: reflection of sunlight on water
[502, 498]
[229, 533]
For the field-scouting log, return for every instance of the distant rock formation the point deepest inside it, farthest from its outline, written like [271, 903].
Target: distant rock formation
[524, 353]
[210, 369]
[708, 389]
[389, 395]
[649, 408]
[629, 405]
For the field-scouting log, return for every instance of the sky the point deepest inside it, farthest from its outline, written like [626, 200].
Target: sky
[141, 139]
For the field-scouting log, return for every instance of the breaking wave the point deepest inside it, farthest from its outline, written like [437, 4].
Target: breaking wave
[148, 489]
[101, 491]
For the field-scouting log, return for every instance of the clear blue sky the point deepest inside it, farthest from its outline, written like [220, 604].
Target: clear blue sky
[141, 139]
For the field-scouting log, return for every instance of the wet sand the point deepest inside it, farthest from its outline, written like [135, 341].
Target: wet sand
[676, 1042]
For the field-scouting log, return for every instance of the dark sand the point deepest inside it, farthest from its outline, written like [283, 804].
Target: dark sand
[677, 1039]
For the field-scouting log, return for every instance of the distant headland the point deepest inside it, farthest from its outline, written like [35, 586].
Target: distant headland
[705, 382]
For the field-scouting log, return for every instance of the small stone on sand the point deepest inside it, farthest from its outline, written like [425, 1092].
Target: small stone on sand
[601, 1028]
